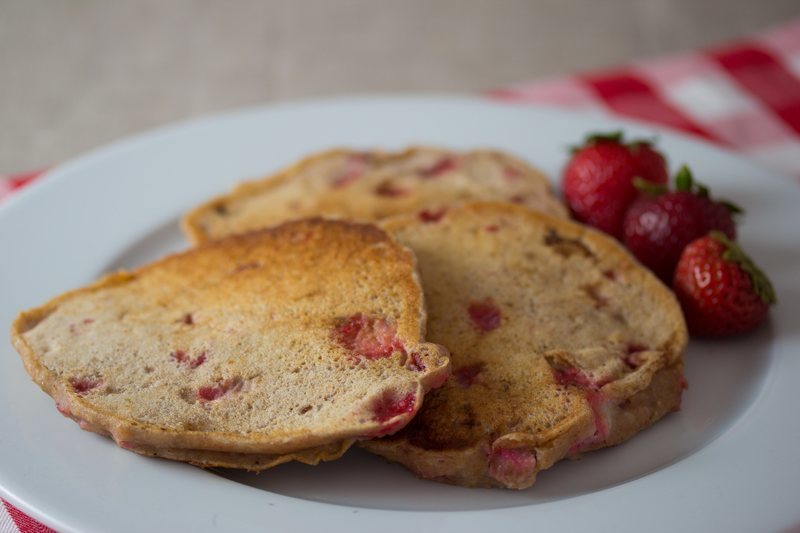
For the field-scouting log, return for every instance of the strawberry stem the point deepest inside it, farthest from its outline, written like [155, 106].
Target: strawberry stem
[684, 180]
[594, 138]
[733, 253]
[648, 187]
[617, 137]
[611, 136]
[731, 207]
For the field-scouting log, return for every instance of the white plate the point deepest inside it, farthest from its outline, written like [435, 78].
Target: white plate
[727, 462]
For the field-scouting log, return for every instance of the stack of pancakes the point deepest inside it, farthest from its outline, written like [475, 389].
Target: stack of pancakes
[436, 307]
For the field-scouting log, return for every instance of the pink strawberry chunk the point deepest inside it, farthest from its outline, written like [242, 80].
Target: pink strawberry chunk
[575, 377]
[368, 337]
[354, 168]
[388, 406]
[598, 402]
[465, 376]
[416, 363]
[432, 215]
[446, 164]
[484, 315]
[388, 409]
[216, 391]
[63, 408]
[182, 358]
[83, 385]
[512, 466]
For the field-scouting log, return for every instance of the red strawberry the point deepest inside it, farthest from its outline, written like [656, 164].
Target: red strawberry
[658, 227]
[722, 292]
[598, 178]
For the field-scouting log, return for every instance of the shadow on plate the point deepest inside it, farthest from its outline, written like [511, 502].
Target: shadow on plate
[159, 242]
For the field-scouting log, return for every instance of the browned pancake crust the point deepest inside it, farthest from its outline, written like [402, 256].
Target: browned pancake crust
[236, 346]
[371, 185]
[560, 343]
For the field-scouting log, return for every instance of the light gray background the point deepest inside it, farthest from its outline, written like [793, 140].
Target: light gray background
[78, 73]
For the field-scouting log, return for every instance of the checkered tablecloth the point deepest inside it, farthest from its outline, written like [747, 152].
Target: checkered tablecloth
[744, 95]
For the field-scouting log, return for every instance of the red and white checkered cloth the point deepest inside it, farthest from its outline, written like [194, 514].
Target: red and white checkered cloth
[745, 95]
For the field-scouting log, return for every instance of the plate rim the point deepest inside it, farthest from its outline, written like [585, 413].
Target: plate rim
[73, 167]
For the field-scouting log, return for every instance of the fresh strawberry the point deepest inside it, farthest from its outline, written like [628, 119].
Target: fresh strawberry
[597, 180]
[722, 292]
[659, 225]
